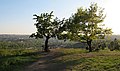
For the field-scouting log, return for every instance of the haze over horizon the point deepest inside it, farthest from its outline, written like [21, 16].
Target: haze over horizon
[17, 15]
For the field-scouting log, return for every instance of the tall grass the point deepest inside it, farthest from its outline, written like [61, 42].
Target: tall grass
[15, 60]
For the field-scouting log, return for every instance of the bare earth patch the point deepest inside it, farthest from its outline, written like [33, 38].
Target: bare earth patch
[44, 63]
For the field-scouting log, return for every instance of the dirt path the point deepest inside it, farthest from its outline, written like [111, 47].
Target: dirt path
[44, 64]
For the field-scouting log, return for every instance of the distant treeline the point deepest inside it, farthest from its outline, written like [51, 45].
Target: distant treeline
[20, 43]
[24, 42]
[10, 37]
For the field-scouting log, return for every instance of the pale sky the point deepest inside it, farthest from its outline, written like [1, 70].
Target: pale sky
[16, 16]
[112, 20]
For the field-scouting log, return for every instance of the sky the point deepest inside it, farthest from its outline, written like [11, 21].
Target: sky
[16, 16]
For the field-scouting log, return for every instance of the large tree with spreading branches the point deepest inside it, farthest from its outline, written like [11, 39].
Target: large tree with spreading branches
[86, 25]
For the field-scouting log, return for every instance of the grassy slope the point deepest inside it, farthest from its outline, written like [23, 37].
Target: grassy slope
[15, 60]
[65, 59]
[77, 60]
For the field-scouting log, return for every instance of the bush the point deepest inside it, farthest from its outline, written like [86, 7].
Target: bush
[114, 45]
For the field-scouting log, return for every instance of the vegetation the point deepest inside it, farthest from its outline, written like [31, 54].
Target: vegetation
[85, 25]
[114, 45]
[64, 59]
[47, 27]
[82, 60]
[22, 44]
[17, 59]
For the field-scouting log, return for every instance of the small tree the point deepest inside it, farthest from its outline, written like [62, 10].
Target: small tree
[87, 25]
[47, 27]
[111, 46]
[114, 45]
[103, 45]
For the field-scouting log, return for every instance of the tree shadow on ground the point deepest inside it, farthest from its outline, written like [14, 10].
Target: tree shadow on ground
[50, 63]
[61, 66]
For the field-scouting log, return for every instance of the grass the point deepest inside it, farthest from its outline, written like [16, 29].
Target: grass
[16, 59]
[82, 60]
[67, 59]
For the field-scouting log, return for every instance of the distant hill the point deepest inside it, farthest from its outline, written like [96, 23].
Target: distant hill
[112, 37]
[14, 37]
[52, 42]
[11, 37]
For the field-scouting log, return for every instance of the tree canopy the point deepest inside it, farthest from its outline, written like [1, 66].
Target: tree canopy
[86, 24]
[47, 27]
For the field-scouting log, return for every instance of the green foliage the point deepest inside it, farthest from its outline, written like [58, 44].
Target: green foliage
[47, 27]
[114, 45]
[86, 25]
[99, 44]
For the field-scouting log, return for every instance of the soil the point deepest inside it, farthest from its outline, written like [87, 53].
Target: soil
[45, 64]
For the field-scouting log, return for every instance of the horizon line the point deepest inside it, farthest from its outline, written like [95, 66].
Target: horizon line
[26, 34]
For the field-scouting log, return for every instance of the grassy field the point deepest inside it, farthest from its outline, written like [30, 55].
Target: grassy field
[64, 59]
[17, 59]
[81, 60]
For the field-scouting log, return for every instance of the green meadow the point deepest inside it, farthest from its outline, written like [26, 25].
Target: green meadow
[64, 59]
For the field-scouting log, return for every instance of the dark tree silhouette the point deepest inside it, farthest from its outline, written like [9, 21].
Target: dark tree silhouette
[47, 27]
[114, 45]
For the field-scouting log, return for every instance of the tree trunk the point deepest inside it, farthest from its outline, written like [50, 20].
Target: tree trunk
[46, 49]
[89, 45]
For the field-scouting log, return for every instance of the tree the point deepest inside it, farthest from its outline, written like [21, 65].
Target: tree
[47, 27]
[114, 45]
[87, 24]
